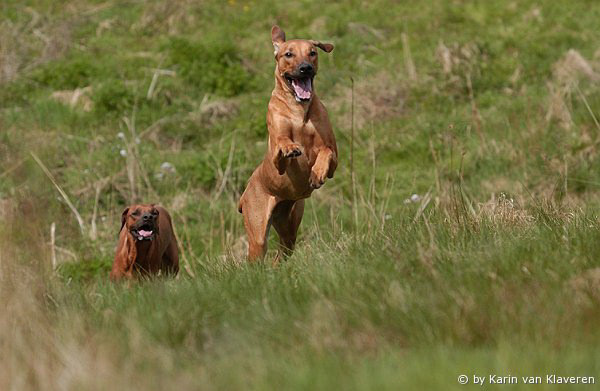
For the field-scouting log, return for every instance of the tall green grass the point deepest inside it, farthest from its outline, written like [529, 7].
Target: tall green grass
[476, 175]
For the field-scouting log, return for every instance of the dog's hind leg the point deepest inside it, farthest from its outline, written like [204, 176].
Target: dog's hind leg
[257, 207]
[287, 217]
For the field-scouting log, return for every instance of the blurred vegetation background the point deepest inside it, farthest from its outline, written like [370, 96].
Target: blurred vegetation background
[463, 240]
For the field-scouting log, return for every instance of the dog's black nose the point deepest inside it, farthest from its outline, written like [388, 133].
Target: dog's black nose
[306, 68]
[147, 216]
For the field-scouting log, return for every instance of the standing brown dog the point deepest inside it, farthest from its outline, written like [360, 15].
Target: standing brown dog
[147, 243]
[301, 152]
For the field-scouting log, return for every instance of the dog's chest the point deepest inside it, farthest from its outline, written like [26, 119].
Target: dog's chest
[305, 132]
[308, 136]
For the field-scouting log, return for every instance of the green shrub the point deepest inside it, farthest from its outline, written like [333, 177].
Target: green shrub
[212, 66]
[67, 74]
[197, 170]
[113, 96]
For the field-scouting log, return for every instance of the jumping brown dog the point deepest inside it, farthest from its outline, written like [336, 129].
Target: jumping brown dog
[301, 150]
[147, 244]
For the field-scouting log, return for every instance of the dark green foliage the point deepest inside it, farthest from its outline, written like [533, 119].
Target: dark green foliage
[113, 96]
[67, 74]
[211, 66]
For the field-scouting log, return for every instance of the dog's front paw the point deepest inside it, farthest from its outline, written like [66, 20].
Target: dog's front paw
[283, 153]
[291, 150]
[317, 179]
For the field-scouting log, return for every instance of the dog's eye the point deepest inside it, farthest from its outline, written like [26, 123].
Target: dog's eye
[313, 53]
[288, 54]
[136, 213]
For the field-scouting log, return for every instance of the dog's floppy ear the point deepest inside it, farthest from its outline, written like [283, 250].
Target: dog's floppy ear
[123, 218]
[278, 37]
[327, 47]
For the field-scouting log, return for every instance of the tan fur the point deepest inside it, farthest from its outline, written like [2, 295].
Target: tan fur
[301, 154]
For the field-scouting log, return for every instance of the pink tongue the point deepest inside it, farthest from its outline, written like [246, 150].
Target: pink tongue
[302, 87]
[144, 234]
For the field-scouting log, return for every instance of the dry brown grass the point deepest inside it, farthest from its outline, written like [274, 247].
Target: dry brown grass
[503, 210]
[26, 44]
[44, 346]
[27, 353]
[459, 61]
[214, 111]
[568, 72]
[169, 17]
[79, 97]
[585, 287]
[377, 98]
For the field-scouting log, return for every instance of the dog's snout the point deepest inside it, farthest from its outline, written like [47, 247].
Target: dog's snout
[306, 68]
[147, 216]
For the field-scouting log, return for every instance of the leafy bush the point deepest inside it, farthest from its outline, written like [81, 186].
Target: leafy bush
[113, 96]
[197, 170]
[213, 66]
[67, 74]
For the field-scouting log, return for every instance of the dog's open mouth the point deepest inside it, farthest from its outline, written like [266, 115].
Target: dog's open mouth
[301, 86]
[145, 232]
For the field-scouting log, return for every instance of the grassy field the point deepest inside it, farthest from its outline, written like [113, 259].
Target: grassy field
[463, 238]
